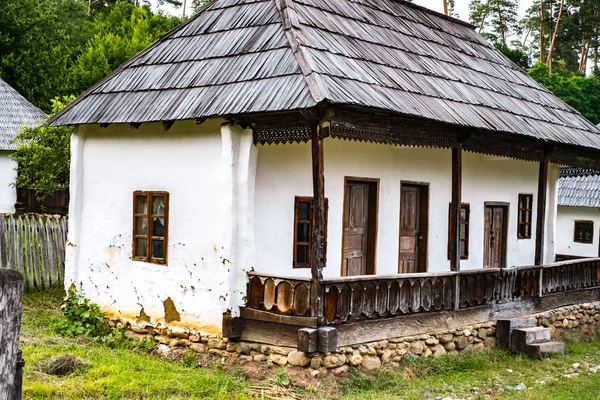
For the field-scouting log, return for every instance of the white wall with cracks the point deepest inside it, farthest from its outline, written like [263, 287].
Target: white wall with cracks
[208, 171]
[232, 210]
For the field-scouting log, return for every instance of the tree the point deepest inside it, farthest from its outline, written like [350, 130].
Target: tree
[43, 155]
[496, 19]
[39, 40]
[122, 32]
[197, 5]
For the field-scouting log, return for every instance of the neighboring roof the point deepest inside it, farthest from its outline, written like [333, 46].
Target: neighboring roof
[245, 56]
[15, 111]
[579, 187]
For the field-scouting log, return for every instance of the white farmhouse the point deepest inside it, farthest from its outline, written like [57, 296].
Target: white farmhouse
[15, 112]
[297, 162]
[578, 219]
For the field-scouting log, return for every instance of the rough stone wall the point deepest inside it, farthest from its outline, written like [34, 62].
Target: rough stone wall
[582, 316]
[368, 355]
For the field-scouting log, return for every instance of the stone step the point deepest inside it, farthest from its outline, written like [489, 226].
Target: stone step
[505, 327]
[545, 349]
[525, 336]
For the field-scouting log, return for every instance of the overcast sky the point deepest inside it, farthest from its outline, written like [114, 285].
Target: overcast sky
[461, 7]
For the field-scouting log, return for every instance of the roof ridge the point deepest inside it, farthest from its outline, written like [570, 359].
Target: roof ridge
[291, 28]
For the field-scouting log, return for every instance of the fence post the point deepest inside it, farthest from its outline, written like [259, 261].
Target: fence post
[11, 297]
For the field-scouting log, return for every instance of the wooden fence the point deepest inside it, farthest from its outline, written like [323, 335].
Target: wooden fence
[35, 246]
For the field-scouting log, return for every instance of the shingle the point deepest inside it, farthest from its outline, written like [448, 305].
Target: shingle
[579, 187]
[15, 111]
[384, 54]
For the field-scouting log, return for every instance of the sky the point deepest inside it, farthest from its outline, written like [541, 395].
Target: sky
[461, 7]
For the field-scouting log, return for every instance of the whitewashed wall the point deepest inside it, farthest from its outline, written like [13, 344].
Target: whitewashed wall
[8, 176]
[198, 166]
[565, 226]
[285, 171]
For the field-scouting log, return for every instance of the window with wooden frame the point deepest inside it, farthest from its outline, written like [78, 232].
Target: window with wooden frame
[524, 216]
[303, 218]
[150, 226]
[465, 218]
[584, 232]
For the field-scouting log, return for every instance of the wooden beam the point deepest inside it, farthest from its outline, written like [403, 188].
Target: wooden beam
[455, 209]
[317, 256]
[541, 211]
[455, 206]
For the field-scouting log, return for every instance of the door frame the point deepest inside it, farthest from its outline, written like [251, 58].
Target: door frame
[504, 249]
[424, 223]
[373, 220]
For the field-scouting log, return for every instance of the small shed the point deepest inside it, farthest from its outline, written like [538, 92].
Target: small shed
[15, 112]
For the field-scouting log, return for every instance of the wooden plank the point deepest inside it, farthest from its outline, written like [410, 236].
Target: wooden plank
[37, 265]
[317, 256]
[43, 246]
[27, 247]
[60, 248]
[19, 244]
[3, 248]
[249, 313]
[540, 229]
[455, 206]
[51, 249]
[11, 243]
[269, 333]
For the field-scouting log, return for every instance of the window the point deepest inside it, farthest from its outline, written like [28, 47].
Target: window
[465, 217]
[150, 226]
[303, 230]
[524, 216]
[584, 232]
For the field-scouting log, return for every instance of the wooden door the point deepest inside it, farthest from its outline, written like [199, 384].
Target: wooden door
[356, 223]
[413, 228]
[494, 253]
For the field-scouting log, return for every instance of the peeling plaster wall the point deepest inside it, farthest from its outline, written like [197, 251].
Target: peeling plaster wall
[284, 171]
[8, 194]
[565, 229]
[200, 167]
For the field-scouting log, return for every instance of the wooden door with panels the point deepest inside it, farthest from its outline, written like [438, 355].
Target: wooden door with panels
[414, 221]
[360, 227]
[495, 235]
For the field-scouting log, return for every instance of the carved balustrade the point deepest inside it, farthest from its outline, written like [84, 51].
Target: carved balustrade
[278, 295]
[349, 299]
[570, 275]
[370, 297]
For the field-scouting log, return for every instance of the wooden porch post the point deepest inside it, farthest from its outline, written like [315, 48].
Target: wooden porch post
[541, 211]
[317, 256]
[455, 206]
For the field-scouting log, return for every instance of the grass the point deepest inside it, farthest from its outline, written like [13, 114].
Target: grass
[125, 371]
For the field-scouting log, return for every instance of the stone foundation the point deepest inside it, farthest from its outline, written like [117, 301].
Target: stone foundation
[368, 355]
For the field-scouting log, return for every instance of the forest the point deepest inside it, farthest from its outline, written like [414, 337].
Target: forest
[53, 50]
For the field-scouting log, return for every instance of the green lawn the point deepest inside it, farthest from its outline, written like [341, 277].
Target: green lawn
[123, 371]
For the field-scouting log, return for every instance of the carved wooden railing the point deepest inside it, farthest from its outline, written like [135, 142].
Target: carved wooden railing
[349, 299]
[278, 295]
[570, 275]
[356, 298]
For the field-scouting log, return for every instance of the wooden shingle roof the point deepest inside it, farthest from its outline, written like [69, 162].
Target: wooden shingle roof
[579, 187]
[249, 56]
[15, 111]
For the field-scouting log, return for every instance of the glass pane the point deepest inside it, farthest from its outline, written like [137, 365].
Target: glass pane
[141, 204]
[304, 211]
[463, 249]
[302, 234]
[302, 254]
[463, 232]
[158, 227]
[158, 249]
[141, 226]
[463, 214]
[158, 205]
[140, 247]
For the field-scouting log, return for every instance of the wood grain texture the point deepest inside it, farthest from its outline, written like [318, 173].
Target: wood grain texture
[11, 294]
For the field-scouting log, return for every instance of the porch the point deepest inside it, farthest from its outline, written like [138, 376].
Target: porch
[346, 311]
